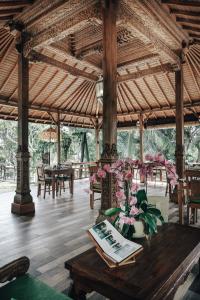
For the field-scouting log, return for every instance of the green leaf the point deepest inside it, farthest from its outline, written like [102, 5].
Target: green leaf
[112, 211]
[154, 211]
[161, 219]
[141, 196]
[116, 219]
[125, 230]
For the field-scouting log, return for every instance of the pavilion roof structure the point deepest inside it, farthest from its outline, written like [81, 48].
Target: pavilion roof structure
[64, 45]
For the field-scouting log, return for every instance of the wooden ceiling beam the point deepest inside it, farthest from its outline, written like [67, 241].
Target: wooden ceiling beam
[6, 18]
[62, 29]
[22, 3]
[6, 102]
[147, 72]
[187, 20]
[145, 58]
[191, 28]
[10, 103]
[159, 109]
[39, 57]
[58, 50]
[195, 36]
[8, 12]
[186, 13]
[181, 2]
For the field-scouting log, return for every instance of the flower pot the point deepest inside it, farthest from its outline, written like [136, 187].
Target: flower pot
[139, 230]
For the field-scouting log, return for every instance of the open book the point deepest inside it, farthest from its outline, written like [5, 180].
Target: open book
[112, 245]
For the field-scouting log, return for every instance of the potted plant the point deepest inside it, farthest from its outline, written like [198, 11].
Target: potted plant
[133, 209]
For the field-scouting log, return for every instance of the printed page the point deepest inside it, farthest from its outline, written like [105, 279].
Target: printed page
[112, 242]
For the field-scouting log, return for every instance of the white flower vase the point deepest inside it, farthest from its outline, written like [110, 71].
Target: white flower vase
[139, 230]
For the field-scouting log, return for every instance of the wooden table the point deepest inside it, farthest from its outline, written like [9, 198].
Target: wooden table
[64, 171]
[159, 269]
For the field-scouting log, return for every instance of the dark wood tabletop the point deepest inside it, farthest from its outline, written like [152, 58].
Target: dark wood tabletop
[159, 269]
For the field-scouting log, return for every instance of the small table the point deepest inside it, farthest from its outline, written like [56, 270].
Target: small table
[159, 269]
[66, 172]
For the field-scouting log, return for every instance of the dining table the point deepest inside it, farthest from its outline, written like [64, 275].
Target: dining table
[64, 171]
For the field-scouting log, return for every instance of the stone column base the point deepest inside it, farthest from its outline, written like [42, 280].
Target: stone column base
[23, 209]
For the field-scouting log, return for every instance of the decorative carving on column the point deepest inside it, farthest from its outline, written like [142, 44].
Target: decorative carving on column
[23, 202]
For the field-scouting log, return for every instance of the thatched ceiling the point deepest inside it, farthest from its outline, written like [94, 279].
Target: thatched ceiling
[65, 45]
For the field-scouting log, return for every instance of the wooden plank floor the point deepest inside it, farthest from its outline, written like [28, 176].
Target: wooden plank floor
[56, 233]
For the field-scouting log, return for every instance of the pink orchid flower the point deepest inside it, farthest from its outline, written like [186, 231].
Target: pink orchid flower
[133, 200]
[127, 220]
[134, 187]
[107, 168]
[93, 178]
[149, 157]
[134, 210]
[128, 175]
[120, 195]
[101, 173]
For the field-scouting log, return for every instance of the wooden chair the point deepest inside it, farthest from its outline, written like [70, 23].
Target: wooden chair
[60, 182]
[44, 180]
[94, 187]
[192, 196]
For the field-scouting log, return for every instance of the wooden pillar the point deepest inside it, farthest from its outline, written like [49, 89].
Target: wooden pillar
[109, 154]
[179, 137]
[97, 130]
[23, 202]
[141, 128]
[179, 123]
[58, 139]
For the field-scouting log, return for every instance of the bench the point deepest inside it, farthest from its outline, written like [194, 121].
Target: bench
[23, 286]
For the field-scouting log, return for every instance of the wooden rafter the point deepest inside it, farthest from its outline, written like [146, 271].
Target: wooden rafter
[6, 102]
[187, 20]
[146, 72]
[58, 50]
[185, 12]
[74, 93]
[21, 3]
[8, 12]
[78, 93]
[191, 28]
[36, 56]
[132, 94]
[181, 2]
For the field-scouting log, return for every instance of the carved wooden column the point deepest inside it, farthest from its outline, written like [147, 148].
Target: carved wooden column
[58, 139]
[109, 153]
[179, 123]
[180, 162]
[23, 202]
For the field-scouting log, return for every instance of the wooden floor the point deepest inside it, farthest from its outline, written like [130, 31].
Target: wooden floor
[56, 233]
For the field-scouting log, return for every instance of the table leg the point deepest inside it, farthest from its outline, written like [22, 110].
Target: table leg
[199, 266]
[180, 203]
[76, 294]
[53, 186]
[72, 184]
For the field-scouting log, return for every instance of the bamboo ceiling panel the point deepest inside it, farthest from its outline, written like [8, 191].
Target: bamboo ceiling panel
[64, 45]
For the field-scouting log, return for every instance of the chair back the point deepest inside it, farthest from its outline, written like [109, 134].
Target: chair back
[40, 173]
[194, 189]
[92, 169]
